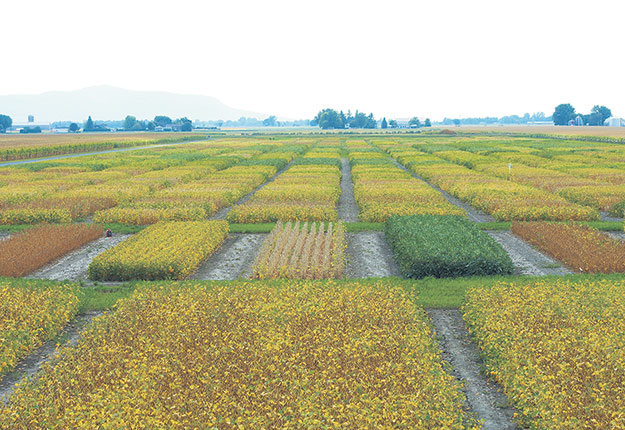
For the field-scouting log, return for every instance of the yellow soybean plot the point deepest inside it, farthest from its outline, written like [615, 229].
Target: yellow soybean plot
[297, 251]
[256, 354]
[171, 250]
[31, 313]
[557, 349]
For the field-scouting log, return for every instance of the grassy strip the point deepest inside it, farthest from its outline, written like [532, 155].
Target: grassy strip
[597, 225]
[103, 297]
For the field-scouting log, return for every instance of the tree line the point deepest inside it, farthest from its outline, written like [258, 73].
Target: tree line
[565, 113]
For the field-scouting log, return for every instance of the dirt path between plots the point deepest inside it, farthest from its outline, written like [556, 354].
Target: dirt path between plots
[73, 266]
[606, 217]
[30, 365]
[617, 235]
[472, 213]
[527, 260]
[233, 260]
[484, 397]
[368, 256]
[222, 214]
[347, 209]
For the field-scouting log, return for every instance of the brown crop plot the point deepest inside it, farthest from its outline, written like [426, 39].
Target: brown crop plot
[32, 249]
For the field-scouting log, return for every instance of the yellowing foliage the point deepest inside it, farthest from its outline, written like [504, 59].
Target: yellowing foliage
[557, 349]
[168, 250]
[296, 354]
[295, 251]
[30, 313]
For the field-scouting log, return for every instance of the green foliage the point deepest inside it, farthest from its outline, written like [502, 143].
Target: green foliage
[323, 161]
[563, 114]
[5, 122]
[444, 246]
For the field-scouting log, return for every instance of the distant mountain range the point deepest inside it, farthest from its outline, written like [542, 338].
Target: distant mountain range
[111, 103]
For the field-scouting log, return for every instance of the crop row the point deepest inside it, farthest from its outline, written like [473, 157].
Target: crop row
[30, 313]
[298, 252]
[504, 200]
[31, 249]
[382, 189]
[308, 192]
[444, 246]
[295, 354]
[167, 250]
[582, 249]
[556, 348]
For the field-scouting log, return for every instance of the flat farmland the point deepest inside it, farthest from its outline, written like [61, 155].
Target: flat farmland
[313, 281]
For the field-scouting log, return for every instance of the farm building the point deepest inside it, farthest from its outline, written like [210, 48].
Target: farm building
[614, 122]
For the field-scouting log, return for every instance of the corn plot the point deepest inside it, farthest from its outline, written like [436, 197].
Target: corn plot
[304, 251]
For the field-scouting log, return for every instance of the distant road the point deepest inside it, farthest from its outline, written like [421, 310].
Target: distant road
[84, 154]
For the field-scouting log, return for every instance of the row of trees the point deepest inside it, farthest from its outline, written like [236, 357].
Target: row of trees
[331, 119]
[565, 113]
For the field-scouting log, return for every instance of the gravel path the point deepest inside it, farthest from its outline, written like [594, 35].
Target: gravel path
[222, 214]
[606, 217]
[30, 365]
[617, 235]
[233, 259]
[348, 210]
[527, 260]
[472, 213]
[368, 256]
[484, 396]
[73, 266]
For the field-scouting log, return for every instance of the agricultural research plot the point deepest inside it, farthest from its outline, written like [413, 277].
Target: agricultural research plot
[305, 192]
[444, 246]
[300, 251]
[73, 266]
[555, 346]
[582, 249]
[31, 249]
[171, 250]
[381, 189]
[32, 312]
[258, 353]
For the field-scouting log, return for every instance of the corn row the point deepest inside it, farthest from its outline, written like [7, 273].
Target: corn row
[292, 251]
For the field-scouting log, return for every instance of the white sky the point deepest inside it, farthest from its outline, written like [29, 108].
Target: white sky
[454, 58]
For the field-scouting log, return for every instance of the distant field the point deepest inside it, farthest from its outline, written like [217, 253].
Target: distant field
[23, 146]
[553, 130]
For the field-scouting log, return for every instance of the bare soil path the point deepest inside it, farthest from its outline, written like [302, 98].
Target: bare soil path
[369, 256]
[527, 260]
[73, 266]
[223, 213]
[233, 260]
[485, 398]
[348, 209]
[472, 213]
[30, 365]
[606, 217]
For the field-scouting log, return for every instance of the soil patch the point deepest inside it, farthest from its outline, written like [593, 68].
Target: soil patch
[606, 217]
[30, 365]
[527, 260]
[617, 235]
[472, 213]
[485, 397]
[73, 266]
[348, 209]
[369, 256]
[222, 214]
[233, 260]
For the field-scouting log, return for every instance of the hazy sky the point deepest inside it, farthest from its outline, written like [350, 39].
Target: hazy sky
[291, 58]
